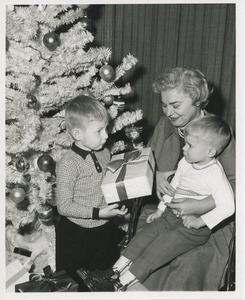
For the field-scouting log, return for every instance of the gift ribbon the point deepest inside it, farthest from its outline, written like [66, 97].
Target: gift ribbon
[122, 163]
[48, 277]
[15, 277]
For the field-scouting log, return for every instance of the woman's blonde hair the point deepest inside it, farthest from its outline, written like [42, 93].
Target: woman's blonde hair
[191, 82]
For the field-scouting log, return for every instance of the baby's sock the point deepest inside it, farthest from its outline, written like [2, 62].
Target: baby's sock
[127, 278]
[121, 264]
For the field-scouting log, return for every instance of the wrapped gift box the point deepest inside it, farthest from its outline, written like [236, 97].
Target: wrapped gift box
[15, 273]
[48, 282]
[129, 175]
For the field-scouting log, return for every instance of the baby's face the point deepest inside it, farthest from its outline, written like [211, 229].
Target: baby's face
[196, 150]
[94, 134]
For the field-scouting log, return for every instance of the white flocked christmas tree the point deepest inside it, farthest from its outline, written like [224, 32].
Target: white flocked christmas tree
[49, 62]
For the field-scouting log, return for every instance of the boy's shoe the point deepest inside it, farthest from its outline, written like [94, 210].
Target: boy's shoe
[104, 286]
[98, 276]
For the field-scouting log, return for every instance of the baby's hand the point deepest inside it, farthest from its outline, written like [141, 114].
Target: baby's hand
[193, 222]
[152, 217]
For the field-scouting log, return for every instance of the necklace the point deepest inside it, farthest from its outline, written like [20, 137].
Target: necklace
[180, 131]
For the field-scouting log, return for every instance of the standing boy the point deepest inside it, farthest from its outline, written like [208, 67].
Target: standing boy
[85, 235]
[199, 174]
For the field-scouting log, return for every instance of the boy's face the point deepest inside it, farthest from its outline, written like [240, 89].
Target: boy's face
[93, 136]
[196, 151]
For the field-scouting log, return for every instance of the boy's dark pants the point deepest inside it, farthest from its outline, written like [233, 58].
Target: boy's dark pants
[91, 248]
[160, 242]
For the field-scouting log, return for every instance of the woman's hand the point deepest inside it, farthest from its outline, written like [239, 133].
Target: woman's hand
[188, 206]
[193, 222]
[162, 184]
[112, 211]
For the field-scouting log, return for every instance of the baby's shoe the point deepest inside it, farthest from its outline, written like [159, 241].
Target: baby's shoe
[112, 285]
[98, 276]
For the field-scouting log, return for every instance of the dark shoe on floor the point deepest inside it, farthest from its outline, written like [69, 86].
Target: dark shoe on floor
[98, 276]
[105, 286]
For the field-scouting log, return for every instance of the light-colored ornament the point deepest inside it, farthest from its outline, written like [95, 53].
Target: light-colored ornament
[17, 194]
[108, 100]
[107, 73]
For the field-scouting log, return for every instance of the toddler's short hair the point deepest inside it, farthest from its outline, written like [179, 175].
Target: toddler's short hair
[210, 129]
[82, 109]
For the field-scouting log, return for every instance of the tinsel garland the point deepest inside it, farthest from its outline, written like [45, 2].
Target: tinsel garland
[127, 118]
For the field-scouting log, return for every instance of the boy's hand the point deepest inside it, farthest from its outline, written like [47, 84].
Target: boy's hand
[193, 222]
[112, 211]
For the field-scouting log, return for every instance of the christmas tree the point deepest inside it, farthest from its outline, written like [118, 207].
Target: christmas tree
[49, 61]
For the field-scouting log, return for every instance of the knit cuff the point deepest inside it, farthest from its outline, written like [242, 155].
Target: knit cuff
[95, 215]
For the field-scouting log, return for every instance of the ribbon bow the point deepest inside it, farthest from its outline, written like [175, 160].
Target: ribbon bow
[47, 282]
[114, 165]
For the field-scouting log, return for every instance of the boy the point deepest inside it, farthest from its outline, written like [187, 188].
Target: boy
[198, 175]
[85, 235]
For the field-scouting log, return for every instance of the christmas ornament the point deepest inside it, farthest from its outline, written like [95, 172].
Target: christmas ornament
[86, 23]
[51, 40]
[107, 73]
[131, 132]
[120, 104]
[17, 194]
[32, 101]
[108, 100]
[21, 164]
[45, 214]
[45, 163]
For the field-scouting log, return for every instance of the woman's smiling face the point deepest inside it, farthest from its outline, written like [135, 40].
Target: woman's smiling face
[179, 107]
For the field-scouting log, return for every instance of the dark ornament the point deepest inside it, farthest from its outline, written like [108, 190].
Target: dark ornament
[86, 23]
[22, 164]
[32, 102]
[51, 40]
[45, 163]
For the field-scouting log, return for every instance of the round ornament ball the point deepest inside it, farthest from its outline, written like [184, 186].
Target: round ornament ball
[86, 23]
[51, 40]
[22, 164]
[107, 73]
[45, 163]
[32, 101]
[45, 213]
[17, 194]
[108, 100]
